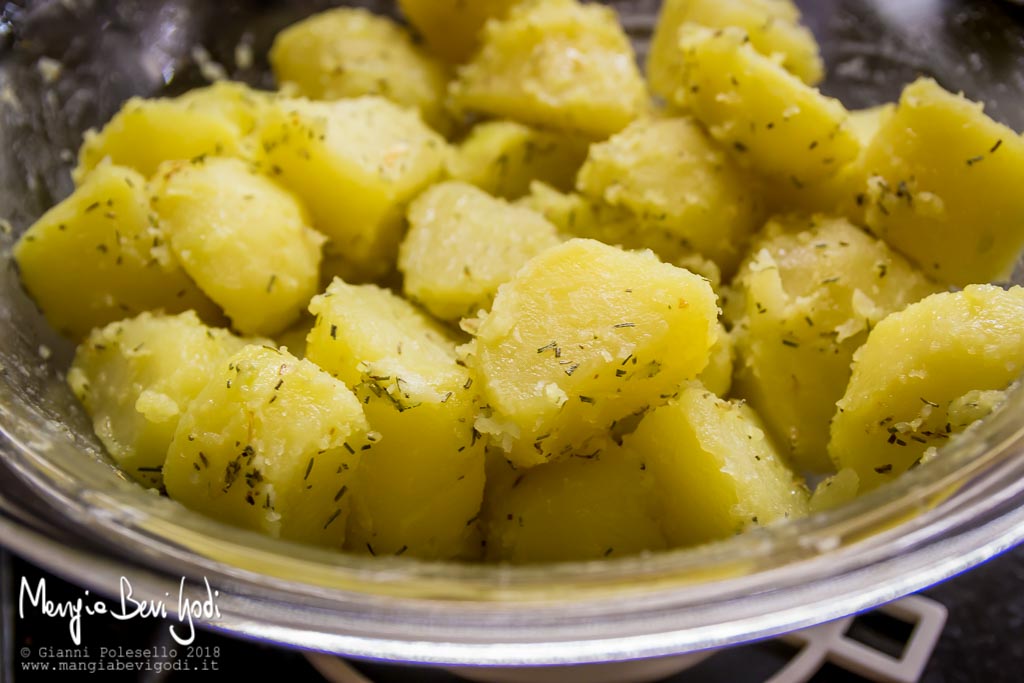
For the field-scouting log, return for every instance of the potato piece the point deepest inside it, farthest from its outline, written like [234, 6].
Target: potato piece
[807, 297]
[944, 185]
[910, 379]
[355, 164]
[842, 194]
[146, 132]
[242, 238]
[348, 52]
[420, 490]
[697, 264]
[462, 244]
[555, 64]
[839, 489]
[451, 28]
[575, 215]
[865, 123]
[716, 472]
[503, 157]
[99, 256]
[294, 338]
[136, 377]
[358, 330]
[768, 118]
[266, 445]
[773, 26]
[235, 101]
[672, 177]
[585, 335]
[578, 509]
[717, 376]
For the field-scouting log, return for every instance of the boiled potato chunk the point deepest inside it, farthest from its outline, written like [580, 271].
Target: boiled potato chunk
[363, 330]
[451, 28]
[769, 119]
[245, 240]
[807, 297]
[582, 508]
[943, 186]
[586, 335]
[773, 26]
[355, 164]
[268, 444]
[136, 377]
[925, 374]
[504, 157]
[717, 376]
[419, 491]
[674, 178]
[576, 215]
[348, 52]
[865, 123]
[716, 471]
[462, 244]
[100, 256]
[145, 133]
[294, 338]
[555, 64]
[839, 195]
[839, 489]
[235, 101]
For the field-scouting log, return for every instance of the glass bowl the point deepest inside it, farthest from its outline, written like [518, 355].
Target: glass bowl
[932, 523]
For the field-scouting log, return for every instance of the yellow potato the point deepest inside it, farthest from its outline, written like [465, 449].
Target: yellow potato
[235, 101]
[584, 336]
[575, 215]
[294, 338]
[419, 492]
[839, 489]
[715, 470]
[865, 123]
[100, 256]
[773, 26]
[675, 179]
[803, 302]
[555, 64]
[136, 377]
[244, 240]
[943, 186]
[717, 376]
[211, 121]
[504, 157]
[842, 194]
[349, 52]
[452, 28]
[582, 508]
[462, 244]
[768, 118]
[355, 164]
[926, 374]
[269, 444]
[362, 329]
